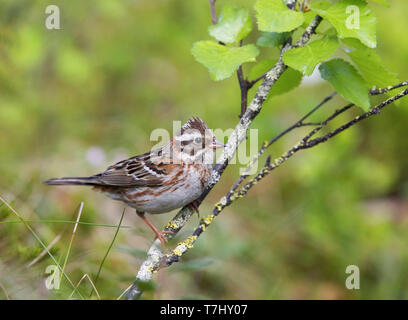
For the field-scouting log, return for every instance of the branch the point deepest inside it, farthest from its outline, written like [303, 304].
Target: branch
[213, 12]
[376, 110]
[298, 124]
[267, 144]
[253, 82]
[305, 143]
[155, 258]
[376, 91]
[244, 86]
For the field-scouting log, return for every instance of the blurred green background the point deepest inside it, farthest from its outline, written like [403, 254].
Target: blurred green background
[73, 101]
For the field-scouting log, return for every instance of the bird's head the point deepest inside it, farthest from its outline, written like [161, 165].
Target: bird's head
[196, 142]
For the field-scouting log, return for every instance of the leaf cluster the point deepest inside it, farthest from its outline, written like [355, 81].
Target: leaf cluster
[343, 49]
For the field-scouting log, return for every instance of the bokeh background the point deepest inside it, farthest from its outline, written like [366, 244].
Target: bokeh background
[73, 101]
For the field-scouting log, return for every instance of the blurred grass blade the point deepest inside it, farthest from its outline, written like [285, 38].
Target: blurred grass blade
[81, 206]
[44, 252]
[90, 281]
[41, 243]
[66, 221]
[110, 247]
[124, 292]
[5, 291]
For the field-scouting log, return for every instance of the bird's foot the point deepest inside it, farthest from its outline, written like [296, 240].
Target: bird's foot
[161, 235]
[193, 205]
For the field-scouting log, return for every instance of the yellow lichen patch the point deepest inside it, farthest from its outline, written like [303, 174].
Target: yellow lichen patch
[171, 225]
[189, 242]
[278, 161]
[208, 219]
[149, 269]
[177, 252]
[218, 205]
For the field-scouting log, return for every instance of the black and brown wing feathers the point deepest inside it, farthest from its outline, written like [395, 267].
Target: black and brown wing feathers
[137, 171]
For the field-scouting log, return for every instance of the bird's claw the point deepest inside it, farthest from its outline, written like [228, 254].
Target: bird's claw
[193, 205]
[161, 236]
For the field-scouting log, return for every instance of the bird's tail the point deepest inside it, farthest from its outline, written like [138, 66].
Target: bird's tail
[87, 181]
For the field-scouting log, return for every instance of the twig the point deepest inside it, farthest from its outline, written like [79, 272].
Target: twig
[213, 12]
[376, 91]
[267, 144]
[255, 81]
[309, 124]
[304, 143]
[244, 87]
[373, 111]
[301, 123]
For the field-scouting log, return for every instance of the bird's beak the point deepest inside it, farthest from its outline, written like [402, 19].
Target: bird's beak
[217, 144]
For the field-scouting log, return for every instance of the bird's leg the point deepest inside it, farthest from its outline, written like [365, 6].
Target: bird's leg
[193, 205]
[159, 234]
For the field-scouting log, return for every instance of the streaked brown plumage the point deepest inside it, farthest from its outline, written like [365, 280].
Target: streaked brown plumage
[162, 179]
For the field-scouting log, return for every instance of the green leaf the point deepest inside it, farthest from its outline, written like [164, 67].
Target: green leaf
[371, 67]
[233, 25]
[347, 81]
[310, 15]
[352, 19]
[272, 39]
[222, 61]
[383, 2]
[353, 43]
[275, 16]
[288, 81]
[260, 68]
[306, 58]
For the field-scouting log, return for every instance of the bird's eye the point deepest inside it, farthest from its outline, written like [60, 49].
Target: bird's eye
[197, 140]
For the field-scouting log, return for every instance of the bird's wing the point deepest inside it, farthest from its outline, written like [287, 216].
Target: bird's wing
[137, 171]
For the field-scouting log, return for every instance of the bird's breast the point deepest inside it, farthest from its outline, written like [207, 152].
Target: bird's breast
[181, 188]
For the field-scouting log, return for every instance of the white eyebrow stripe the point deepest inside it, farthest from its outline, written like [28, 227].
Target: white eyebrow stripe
[188, 136]
[151, 171]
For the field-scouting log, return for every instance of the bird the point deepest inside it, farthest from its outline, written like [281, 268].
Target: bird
[162, 179]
